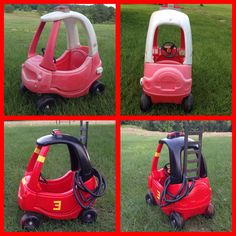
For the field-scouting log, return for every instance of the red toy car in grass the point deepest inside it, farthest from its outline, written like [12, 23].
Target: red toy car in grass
[181, 188]
[167, 67]
[68, 197]
[75, 73]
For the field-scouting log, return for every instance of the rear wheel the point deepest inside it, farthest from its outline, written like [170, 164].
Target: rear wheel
[188, 103]
[210, 211]
[145, 103]
[46, 104]
[88, 215]
[30, 221]
[97, 88]
[176, 221]
[150, 199]
[23, 89]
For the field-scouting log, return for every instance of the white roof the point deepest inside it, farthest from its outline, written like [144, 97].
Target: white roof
[60, 15]
[70, 19]
[169, 17]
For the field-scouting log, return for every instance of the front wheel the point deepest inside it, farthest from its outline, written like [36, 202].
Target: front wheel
[210, 211]
[88, 215]
[188, 103]
[46, 104]
[30, 221]
[97, 88]
[176, 221]
[145, 103]
[150, 199]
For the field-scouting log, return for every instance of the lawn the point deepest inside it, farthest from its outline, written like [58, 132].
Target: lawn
[211, 33]
[20, 143]
[136, 158]
[19, 29]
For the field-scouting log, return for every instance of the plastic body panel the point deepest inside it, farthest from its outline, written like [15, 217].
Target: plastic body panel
[194, 204]
[51, 203]
[167, 83]
[66, 83]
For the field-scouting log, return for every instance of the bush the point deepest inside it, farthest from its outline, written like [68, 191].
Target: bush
[167, 126]
[8, 8]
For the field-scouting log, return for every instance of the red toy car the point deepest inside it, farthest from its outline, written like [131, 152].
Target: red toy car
[180, 190]
[167, 65]
[68, 197]
[75, 73]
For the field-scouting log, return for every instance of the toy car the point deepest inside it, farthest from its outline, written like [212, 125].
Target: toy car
[75, 73]
[68, 197]
[181, 188]
[167, 67]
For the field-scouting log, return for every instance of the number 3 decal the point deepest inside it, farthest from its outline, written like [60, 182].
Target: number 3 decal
[57, 205]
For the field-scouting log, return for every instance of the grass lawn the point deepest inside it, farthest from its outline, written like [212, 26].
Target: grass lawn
[136, 158]
[18, 32]
[19, 145]
[211, 32]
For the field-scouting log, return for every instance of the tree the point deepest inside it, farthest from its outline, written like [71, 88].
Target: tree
[168, 126]
[27, 7]
[8, 8]
[40, 9]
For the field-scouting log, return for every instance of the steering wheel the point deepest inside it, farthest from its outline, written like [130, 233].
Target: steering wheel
[43, 52]
[168, 50]
[167, 169]
[42, 178]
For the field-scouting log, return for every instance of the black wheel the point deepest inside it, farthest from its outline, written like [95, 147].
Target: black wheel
[46, 103]
[23, 89]
[30, 221]
[176, 221]
[97, 88]
[188, 103]
[150, 199]
[88, 215]
[210, 211]
[145, 103]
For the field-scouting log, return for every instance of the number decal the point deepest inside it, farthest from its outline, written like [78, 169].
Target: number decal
[57, 205]
[158, 194]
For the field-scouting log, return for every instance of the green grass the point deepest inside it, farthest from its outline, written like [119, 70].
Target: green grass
[211, 32]
[19, 145]
[18, 32]
[136, 159]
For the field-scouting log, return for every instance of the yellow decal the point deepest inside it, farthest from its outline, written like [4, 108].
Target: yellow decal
[41, 159]
[23, 181]
[158, 194]
[37, 150]
[57, 205]
[157, 154]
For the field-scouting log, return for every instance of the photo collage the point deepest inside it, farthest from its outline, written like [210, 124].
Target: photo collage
[117, 117]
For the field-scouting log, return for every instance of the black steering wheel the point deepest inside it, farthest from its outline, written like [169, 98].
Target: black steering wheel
[43, 52]
[167, 169]
[168, 50]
